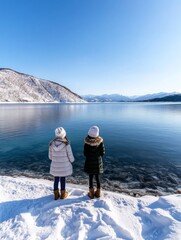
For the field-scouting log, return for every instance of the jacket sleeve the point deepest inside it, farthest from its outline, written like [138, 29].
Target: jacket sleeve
[102, 149]
[50, 152]
[70, 153]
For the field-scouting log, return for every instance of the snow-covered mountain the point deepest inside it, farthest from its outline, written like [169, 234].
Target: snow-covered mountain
[153, 96]
[106, 98]
[170, 98]
[20, 87]
[121, 98]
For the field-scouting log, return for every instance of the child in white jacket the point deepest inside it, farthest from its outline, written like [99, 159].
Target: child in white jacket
[60, 153]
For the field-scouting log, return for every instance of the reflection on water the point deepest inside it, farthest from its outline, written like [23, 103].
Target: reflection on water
[142, 142]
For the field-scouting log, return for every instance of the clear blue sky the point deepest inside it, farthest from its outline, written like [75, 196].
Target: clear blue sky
[131, 47]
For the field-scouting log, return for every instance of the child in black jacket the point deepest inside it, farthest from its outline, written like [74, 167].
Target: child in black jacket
[93, 151]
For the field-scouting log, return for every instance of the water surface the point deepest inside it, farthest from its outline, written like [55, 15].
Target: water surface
[142, 141]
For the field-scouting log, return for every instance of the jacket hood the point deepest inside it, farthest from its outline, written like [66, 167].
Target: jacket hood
[58, 144]
[93, 141]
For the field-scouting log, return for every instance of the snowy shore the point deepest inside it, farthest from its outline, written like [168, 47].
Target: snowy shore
[28, 211]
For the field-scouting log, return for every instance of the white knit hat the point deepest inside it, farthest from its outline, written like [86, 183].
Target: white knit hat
[60, 132]
[93, 132]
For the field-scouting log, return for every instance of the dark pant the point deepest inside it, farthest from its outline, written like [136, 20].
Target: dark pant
[91, 176]
[62, 183]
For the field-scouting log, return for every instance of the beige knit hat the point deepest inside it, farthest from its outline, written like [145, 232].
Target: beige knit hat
[93, 132]
[60, 132]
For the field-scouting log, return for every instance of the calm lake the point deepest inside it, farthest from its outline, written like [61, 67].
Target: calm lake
[142, 140]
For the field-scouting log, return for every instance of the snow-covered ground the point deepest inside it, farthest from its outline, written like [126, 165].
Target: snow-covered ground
[28, 211]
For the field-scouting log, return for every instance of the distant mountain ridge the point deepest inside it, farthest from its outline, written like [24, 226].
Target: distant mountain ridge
[121, 98]
[106, 98]
[21, 87]
[171, 98]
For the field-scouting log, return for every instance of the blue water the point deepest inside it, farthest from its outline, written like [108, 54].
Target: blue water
[142, 140]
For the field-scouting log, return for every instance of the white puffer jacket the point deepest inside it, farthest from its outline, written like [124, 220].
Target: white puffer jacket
[60, 153]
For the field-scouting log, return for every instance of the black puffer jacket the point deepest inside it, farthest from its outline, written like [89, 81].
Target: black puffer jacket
[93, 151]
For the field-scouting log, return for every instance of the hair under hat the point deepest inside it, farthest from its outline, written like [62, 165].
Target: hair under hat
[93, 132]
[60, 132]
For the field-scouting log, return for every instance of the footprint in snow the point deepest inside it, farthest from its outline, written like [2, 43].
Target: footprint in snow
[102, 204]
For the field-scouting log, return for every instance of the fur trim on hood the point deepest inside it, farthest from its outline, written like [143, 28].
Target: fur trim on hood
[93, 141]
